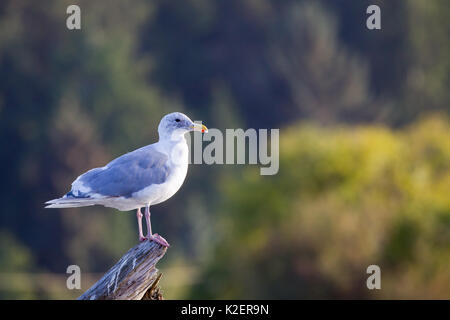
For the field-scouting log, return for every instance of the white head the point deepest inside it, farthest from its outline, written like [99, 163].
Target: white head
[174, 125]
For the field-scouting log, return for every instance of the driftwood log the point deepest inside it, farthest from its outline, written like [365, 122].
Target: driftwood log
[134, 277]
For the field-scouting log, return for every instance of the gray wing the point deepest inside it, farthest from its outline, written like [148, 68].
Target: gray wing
[127, 174]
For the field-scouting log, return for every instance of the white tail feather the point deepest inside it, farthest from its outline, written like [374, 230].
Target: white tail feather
[71, 202]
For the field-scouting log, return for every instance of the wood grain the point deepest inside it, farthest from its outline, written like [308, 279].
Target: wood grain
[133, 277]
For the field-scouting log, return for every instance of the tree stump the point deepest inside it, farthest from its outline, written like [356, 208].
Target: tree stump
[134, 277]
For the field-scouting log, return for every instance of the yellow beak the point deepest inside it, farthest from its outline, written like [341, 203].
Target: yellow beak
[199, 127]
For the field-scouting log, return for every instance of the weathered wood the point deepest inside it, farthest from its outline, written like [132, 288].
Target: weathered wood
[154, 292]
[134, 277]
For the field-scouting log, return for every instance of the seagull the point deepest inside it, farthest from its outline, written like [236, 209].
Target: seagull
[138, 179]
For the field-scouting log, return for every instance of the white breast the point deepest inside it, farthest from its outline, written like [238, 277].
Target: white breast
[178, 161]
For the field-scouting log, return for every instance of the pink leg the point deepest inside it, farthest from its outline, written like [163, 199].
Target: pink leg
[155, 237]
[139, 219]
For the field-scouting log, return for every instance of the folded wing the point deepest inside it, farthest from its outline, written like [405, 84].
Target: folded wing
[121, 177]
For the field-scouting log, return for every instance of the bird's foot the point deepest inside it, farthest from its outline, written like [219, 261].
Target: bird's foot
[158, 239]
[142, 238]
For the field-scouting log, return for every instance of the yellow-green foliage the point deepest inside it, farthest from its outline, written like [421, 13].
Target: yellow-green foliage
[344, 198]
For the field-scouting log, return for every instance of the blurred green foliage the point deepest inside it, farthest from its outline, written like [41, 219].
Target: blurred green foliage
[363, 175]
[345, 198]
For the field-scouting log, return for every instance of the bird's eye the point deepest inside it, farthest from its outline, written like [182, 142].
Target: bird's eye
[177, 120]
